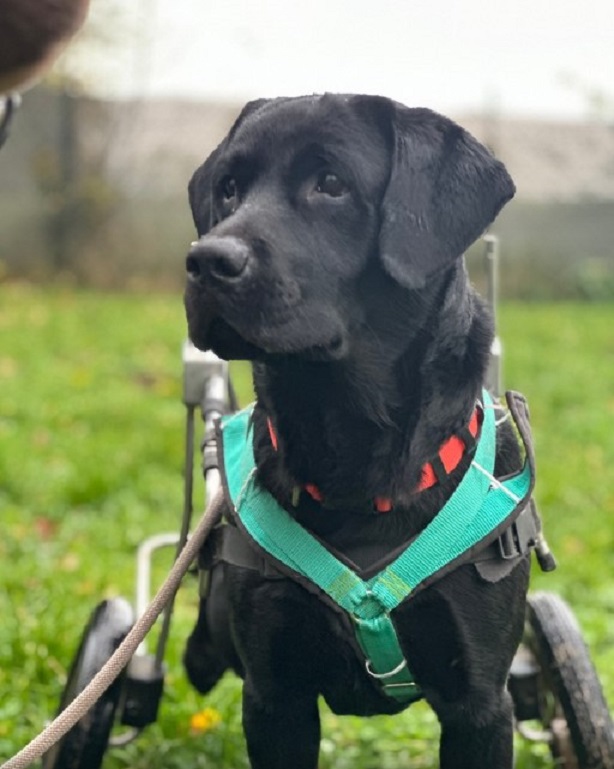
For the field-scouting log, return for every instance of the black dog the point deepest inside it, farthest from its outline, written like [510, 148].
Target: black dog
[331, 233]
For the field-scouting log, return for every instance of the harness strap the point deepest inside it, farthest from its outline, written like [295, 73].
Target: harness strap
[228, 544]
[475, 513]
[385, 660]
[449, 534]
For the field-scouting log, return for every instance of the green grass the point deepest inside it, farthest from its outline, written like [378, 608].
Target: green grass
[91, 455]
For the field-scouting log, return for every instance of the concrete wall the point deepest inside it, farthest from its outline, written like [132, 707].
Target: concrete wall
[105, 182]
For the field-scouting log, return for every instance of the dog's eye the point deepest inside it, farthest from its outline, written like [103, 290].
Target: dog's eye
[229, 188]
[329, 183]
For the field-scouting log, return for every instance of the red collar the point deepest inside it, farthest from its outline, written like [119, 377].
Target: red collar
[448, 458]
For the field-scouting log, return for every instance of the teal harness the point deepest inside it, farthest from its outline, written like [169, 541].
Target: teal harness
[472, 518]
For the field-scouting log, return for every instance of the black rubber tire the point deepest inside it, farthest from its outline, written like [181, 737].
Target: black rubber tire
[569, 680]
[83, 747]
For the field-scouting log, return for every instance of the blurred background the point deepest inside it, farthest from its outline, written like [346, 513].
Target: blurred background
[92, 183]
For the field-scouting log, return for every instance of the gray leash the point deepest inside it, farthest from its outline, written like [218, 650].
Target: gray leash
[122, 655]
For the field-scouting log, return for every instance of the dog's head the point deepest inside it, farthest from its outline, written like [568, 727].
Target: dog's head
[307, 196]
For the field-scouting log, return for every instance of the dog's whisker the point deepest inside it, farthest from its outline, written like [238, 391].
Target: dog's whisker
[496, 483]
[496, 407]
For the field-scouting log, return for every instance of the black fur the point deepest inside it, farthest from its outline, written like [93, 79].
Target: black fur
[331, 231]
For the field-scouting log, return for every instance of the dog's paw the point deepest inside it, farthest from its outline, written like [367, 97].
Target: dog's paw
[202, 666]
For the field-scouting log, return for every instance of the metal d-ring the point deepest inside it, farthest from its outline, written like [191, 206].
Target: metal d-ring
[383, 676]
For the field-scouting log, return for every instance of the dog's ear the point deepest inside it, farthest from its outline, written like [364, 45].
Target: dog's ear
[200, 189]
[200, 192]
[445, 188]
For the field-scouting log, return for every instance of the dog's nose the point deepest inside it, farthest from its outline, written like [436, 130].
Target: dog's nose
[224, 259]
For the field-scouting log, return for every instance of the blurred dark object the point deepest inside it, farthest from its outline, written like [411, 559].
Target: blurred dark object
[8, 106]
[32, 35]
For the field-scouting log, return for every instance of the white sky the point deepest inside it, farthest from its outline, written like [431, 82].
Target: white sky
[451, 55]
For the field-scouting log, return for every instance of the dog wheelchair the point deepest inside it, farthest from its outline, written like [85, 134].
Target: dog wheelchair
[555, 690]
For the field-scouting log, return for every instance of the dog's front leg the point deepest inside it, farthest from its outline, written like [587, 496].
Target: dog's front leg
[282, 730]
[478, 735]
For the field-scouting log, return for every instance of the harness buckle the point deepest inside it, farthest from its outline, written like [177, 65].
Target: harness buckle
[508, 549]
[520, 537]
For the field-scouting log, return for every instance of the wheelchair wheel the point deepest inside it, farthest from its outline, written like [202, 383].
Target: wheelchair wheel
[84, 745]
[572, 706]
